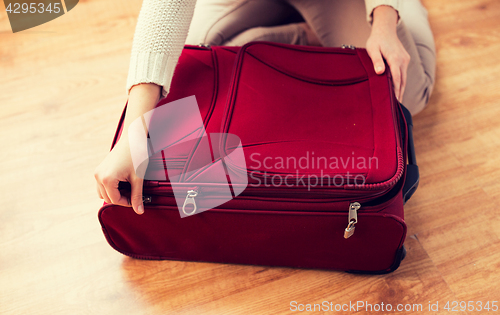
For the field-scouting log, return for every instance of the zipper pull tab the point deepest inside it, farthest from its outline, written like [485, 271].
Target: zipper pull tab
[146, 199]
[353, 219]
[190, 201]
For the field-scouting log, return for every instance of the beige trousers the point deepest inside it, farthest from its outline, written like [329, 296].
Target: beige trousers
[335, 22]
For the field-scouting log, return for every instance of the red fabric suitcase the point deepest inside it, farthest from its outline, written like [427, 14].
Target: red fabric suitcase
[325, 166]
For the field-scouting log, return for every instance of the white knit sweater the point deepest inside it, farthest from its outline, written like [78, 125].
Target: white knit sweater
[161, 32]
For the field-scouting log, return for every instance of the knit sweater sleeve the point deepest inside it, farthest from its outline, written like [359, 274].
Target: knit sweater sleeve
[372, 4]
[159, 37]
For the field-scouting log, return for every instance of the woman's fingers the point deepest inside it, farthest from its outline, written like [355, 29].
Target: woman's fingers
[107, 187]
[117, 167]
[376, 57]
[109, 191]
[111, 186]
[399, 69]
[403, 84]
[396, 78]
[102, 193]
[398, 63]
[384, 43]
[99, 192]
[136, 195]
[404, 73]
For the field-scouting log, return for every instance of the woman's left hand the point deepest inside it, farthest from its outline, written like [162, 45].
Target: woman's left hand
[384, 43]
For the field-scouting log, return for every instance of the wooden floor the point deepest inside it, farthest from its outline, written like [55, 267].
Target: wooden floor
[62, 87]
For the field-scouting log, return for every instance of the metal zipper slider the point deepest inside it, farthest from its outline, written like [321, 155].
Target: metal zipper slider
[204, 45]
[190, 201]
[353, 219]
[146, 199]
[348, 46]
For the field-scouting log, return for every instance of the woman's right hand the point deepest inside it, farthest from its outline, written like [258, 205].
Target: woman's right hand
[384, 43]
[118, 166]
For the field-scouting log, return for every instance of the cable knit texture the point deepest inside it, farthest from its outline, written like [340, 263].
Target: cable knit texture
[159, 37]
[161, 32]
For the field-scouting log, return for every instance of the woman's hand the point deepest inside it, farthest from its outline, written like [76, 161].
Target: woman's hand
[384, 43]
[118, 166]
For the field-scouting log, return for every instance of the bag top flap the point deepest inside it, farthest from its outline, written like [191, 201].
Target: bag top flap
[320, 114]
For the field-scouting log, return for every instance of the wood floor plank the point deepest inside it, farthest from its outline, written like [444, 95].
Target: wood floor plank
[467, 253]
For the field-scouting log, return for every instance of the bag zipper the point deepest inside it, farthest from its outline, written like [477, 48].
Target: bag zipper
[348, 46]
[349, 230]
[165, 189]
[352, 220]
[193, 193]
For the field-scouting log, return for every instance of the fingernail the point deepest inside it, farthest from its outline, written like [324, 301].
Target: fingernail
[378, 69]
[140, 209]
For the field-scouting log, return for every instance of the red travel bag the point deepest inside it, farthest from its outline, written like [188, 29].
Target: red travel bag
[302, 156]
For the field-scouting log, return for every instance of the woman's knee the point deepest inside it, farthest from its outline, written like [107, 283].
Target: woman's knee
[216, 21]
[417, 92]
[206, 14]
[294, 34]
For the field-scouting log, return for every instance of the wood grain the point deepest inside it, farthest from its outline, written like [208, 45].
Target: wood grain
[62, 88]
